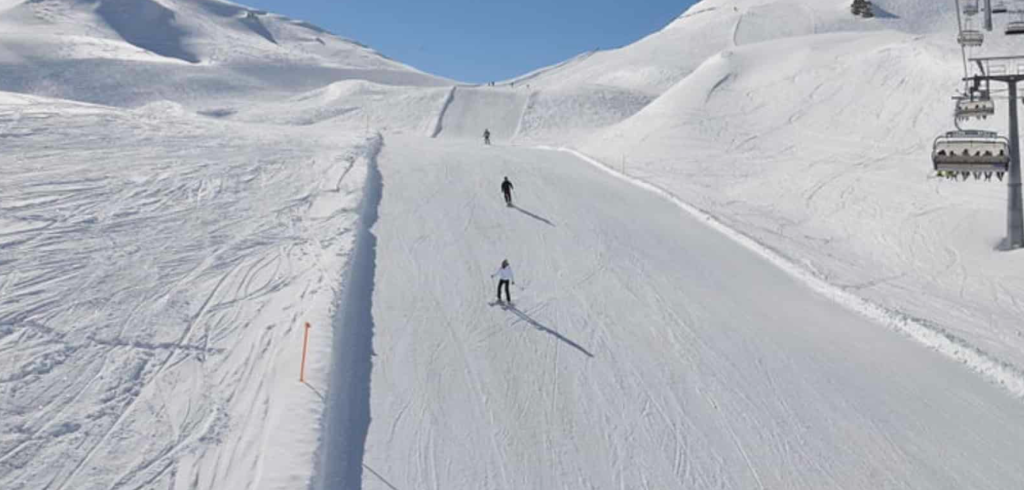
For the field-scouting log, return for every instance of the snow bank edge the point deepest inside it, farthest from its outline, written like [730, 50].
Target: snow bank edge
[1006, 375]
[339, 459]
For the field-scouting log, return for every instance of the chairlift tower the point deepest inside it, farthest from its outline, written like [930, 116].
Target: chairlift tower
[988, 15]
[1008, 70]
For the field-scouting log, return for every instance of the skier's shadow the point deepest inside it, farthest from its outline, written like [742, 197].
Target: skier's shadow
[526, 318]
[534, 216]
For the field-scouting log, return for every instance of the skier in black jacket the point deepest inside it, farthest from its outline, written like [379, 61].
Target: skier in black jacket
[506, 189]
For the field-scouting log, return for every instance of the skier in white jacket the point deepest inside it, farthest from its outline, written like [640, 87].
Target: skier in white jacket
[505, 277]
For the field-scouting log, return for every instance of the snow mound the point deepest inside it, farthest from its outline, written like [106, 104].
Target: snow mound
[163, 108]
[355, 105]
[146, 24]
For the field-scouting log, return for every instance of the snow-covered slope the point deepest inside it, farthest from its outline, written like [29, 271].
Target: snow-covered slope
[157, 262]
[819, 146]
[808, 130]
[643, 349]
[572, 100]
[129, 52]
[155, 273]
[473, 109]
[606, 86]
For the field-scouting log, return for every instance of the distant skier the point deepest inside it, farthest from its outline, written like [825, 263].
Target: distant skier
[487, 136]
[506, 189]
[505, 277]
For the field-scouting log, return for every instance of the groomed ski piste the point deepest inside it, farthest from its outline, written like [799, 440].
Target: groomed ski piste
[734, 268]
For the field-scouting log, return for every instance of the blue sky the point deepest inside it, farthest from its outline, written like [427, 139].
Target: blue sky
[483, 40]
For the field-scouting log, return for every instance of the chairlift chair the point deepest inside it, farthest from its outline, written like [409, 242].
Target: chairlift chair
[971, 151]
[1016, 27]
[999, 8]
[971, 7]
[979, 107]
[970, 38]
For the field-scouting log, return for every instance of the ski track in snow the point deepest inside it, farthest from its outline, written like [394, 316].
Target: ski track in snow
[151, 262]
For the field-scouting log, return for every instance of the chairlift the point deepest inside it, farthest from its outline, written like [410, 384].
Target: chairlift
[971, 7]
[977, 103]
[970, 38]
[970, 151]
[1016, 27]
[980, 108]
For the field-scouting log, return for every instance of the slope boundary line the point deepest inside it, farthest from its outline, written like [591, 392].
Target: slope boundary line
[347, 417]
[1004, 374]
[522, 114]
[439, 124]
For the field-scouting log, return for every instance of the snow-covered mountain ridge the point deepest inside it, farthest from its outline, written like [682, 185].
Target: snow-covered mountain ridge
[131, 52]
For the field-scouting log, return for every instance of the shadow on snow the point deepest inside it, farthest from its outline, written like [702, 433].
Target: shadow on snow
[534, 216]
[347, 418]
[543, 328]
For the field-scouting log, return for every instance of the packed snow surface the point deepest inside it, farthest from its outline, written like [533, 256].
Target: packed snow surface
[642, 347]
[734, 266]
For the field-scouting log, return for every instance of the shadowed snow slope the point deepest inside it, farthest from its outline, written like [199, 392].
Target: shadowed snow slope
[147, 25]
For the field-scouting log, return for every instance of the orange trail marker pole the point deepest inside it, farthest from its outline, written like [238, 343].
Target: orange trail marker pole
[305, 344]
